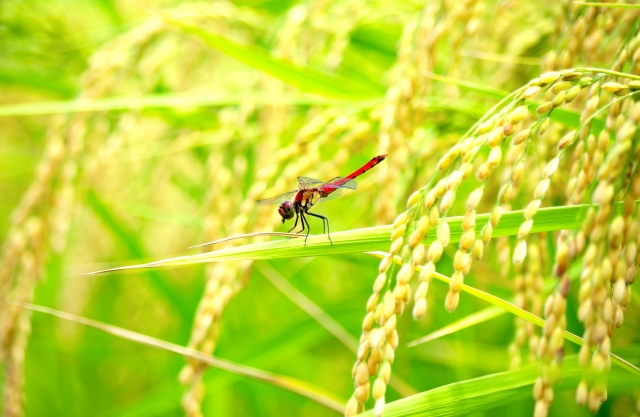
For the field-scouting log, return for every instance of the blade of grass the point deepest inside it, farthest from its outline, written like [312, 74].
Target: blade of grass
[324, 319]
[179, 100]
[487, 313]
[371, 239]
[288, 342]
[308, 306]
[302, 388]
[156, 214]
[507, 59]
[481, 316]
[59, 84]
[609, 5]
[489, 92]
[306, 79]
[130, 240]
[484, 393]
[246, 235]
[567, 117]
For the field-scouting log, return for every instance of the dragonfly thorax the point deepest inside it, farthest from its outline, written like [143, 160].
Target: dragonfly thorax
[307, 198]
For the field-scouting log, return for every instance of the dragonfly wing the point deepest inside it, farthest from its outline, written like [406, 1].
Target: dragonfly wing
[279, 198]
[331, 196]
[334, 187]
[342, 182]
[306, 182]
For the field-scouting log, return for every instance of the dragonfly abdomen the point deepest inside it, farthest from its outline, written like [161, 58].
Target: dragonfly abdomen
[366, 167]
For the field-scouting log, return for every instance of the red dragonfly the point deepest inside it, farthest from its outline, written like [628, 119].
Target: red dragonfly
[298, 202]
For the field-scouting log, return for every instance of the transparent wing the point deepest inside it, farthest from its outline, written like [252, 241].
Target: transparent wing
[306, 182]
[342, 182]
[279, 198]
[331, 196]
[334, 187]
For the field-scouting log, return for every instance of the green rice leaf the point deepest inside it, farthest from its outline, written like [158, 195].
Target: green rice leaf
[493, 93]
[486, 313]
[129, 240]
[484, 393]
[306, 79]
[371, 239]
[297, 386]
[567, 117]
[177, 100]
[609, 5]
[465, 322]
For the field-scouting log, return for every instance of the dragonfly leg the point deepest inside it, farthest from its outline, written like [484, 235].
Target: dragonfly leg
[324, 219]
[296, 224]
[305, 220]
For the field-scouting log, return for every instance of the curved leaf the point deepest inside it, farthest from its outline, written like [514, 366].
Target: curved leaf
[371, 239]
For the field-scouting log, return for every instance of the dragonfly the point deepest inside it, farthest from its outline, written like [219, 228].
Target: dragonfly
[311, 191]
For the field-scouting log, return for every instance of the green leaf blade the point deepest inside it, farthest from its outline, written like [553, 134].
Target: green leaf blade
[306, 79]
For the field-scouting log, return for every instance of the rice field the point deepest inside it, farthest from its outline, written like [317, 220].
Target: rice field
[484, 266]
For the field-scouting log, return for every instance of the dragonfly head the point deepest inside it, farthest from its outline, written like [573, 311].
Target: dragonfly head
[286, 210]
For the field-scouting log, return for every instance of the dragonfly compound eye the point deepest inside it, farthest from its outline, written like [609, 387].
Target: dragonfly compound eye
[286, 210]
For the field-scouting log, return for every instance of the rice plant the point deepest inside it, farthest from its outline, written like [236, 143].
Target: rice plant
[484, 267]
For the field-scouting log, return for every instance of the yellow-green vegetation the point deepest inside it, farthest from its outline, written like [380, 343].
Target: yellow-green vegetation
[134, 130]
